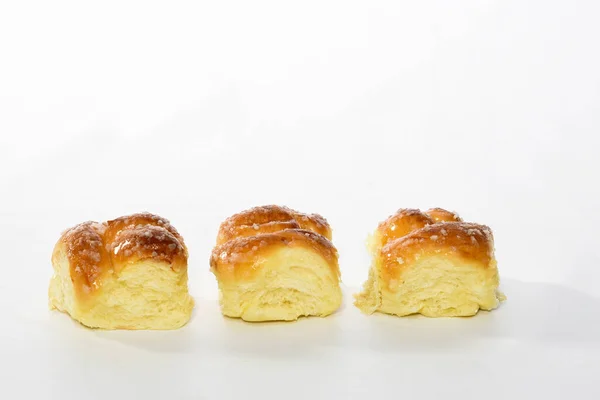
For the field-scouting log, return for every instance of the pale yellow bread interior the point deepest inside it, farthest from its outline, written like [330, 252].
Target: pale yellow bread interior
[433, 286]
[290, 283]
[145, 295]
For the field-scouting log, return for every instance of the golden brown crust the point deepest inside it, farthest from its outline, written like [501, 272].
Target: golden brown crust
[270, 218]
[148, 241]
[402, 223]
[94, 249]
[410, 233]
[464, 240]
[86, 252]
[240, 231]
[441, 215]
[140, 220]
[313, 222]
[235, 259]
[248, 237]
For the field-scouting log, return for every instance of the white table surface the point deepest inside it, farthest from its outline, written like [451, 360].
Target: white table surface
[197, 110]
[542, 343]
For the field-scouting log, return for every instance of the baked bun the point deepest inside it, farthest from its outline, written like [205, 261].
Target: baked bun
[430, 263]
[276, 264]
[128, 273]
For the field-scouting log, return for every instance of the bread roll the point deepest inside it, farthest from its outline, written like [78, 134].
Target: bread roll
[276, 264]
[128, 273]
[430, 263]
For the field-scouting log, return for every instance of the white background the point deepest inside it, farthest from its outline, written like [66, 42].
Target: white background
[350, 109]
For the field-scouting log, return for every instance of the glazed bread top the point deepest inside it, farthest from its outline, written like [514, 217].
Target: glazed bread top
[268, 219]
[248, 237]
[95, 250]
[410, 234]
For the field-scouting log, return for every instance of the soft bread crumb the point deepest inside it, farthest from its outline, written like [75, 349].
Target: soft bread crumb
[146, 295]
[290, 283]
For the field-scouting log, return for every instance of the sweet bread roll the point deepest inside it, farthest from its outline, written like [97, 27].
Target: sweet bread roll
[128, 273]
[276, 264]
[430, 263]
